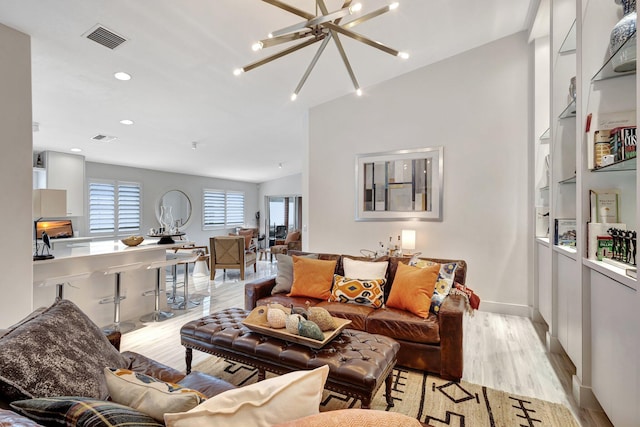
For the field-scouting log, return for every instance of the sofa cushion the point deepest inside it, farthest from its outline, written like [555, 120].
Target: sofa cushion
[59, 352]
[413, 288]
[369, 293]
[444, 282]
[11, 418]
[402, 325]
[367, 270]
[312, 278]
[150, 395]
[82, 412]
[284, 278]
[356, 313]
[264, 403]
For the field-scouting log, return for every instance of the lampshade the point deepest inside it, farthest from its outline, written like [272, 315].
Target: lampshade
[48, 203]
[408, 239]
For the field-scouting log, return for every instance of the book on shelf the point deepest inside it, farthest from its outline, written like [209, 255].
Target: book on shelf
[611, 134]
[604, 206]
[599, 241]
[564, 232]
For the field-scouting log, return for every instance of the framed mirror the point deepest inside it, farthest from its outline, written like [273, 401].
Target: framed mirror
[180, 205]
[400, 185]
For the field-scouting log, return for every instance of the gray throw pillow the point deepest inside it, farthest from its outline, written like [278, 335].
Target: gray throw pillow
[59, 352]
[284, 278]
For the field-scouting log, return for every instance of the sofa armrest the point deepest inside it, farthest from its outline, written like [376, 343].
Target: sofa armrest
[143, 364]
[253, 291]
[451, 321]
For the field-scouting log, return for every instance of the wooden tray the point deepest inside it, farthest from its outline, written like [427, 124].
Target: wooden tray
[257, 322]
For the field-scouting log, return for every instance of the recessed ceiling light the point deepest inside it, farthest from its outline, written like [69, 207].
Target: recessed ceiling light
[76, 150]
[122, 76]
[126, 122]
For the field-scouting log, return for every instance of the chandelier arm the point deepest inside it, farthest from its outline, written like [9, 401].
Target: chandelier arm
[361, 38]
[281, 53]
[305, 76]
[290, 9]
[286, 38]
[313, 22]
[343, 54]
[366, 17]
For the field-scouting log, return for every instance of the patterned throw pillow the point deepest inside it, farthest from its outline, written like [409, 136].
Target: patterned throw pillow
[82, 412]
[355, 291]
[443, 283]
[148, 394]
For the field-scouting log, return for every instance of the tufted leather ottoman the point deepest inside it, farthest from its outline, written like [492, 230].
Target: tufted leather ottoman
[358, 361]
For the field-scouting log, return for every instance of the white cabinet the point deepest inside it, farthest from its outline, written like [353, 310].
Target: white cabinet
[66, 172]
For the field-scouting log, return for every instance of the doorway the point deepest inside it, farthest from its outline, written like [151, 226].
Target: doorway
[284, 214]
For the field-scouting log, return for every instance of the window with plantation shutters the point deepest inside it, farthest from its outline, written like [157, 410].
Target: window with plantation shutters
[222, 209]
[114, 207]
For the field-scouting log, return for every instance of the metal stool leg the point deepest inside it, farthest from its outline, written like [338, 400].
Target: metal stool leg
[117, 297]
[185, 304]
[174, 299]
[157, 315]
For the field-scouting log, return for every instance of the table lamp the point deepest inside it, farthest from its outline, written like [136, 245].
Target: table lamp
[408, 241]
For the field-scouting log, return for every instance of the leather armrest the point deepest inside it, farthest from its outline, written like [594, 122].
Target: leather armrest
[253, 291]
[143, 364]
[450, 319]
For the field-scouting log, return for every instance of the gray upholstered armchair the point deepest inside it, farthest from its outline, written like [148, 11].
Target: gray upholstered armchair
[293, 242]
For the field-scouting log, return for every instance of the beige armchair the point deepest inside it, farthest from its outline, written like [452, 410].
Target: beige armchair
[228, 252]
[292, 242]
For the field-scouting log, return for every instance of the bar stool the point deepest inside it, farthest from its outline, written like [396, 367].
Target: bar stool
[60, 281]
[157, 315]
[117, 297]
[185, 260]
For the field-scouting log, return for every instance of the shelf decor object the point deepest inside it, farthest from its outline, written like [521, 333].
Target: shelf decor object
[624, 29]
[400, 185]
[320, 26]
[46, 203]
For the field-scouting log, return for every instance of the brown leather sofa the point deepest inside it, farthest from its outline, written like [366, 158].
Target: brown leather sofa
[433, 344]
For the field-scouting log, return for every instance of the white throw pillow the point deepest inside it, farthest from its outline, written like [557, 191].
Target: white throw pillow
[265, 403]
[364, 270]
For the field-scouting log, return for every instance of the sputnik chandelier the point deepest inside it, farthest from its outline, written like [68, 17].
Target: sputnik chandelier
[323, 27]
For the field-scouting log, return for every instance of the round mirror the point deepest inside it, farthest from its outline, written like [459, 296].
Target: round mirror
[179, 204]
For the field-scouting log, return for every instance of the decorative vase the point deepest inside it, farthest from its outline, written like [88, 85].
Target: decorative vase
[625, 60]
[166, 218]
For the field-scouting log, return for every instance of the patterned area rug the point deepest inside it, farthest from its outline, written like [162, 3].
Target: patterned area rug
[430, 399]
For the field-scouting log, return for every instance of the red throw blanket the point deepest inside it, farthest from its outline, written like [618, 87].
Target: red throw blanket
[472, 300]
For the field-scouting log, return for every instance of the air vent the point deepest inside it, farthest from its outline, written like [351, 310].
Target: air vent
[105, 37]
[104, 138]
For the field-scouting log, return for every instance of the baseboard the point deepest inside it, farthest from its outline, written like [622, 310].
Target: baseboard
[505, 308]
[536, 316]
[553, 344]
[584, 395]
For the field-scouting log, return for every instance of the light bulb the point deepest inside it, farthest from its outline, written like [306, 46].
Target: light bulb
[294, 96]
[238, 71]
[75, 150]
[270, 35]
[355, 8]
[394, 6]
[403, 55]
[359, 92]
[122, 76]
[126, 122]
[257, 46]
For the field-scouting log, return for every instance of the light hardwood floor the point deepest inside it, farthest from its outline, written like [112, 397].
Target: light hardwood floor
[502, 352]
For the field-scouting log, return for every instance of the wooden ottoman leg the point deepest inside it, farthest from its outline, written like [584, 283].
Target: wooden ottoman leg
[262, 374]
[188, 357]
[389, 385]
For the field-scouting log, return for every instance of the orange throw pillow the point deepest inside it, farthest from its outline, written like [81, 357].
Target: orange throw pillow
[312, 278]
[412, 288]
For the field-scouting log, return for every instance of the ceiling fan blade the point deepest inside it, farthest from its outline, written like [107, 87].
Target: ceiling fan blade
[313, 22]
[290, 9]
[312, 64]
[284, 39]
[281, 53]
[365, 18]
[362, 39]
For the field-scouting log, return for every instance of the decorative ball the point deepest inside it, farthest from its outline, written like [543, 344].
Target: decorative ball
[291, 324]
[307, 328]
[322, 318]
[276, 318]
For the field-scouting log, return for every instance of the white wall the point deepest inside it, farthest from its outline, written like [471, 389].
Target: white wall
[476, 105]
[15, 172]
[156, 183]
[287, 186]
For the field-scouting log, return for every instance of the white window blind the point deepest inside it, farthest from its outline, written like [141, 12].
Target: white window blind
[114, 207]
[222, 208]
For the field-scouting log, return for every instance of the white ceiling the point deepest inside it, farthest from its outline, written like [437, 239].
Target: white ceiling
[181, 55]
